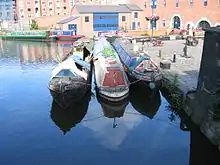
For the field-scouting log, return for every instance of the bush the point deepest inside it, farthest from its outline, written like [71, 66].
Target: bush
[34, 25]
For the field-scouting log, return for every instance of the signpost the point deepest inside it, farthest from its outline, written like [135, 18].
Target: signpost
[153, 6]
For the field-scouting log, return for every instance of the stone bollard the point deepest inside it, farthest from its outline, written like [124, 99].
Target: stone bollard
[185, 51]
[174, 57]
[160, 53]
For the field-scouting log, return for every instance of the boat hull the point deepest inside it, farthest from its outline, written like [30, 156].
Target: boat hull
[134, 79]
[34, 39]
[111, 96]
[67, 92]
[68, 38]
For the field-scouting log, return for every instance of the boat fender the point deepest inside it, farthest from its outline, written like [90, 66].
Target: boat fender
[152, 85]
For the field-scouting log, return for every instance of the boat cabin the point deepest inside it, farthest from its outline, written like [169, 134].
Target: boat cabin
[118, 77]
[140, 62]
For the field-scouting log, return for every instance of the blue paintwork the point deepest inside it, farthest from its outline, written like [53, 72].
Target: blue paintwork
[81, 62]
[129, 61]
[153, 4]
[133, 26]
[72, 27]
[105, 21]
[62, 32]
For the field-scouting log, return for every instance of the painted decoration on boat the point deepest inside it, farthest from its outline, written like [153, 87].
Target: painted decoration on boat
[110, 78]
[138, 66]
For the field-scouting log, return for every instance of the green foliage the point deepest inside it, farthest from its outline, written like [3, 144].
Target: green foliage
[175, 95]
[34, 25]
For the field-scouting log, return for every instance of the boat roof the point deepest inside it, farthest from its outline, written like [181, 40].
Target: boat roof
[129, 48]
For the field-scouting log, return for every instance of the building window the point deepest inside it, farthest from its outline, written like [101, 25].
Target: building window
[205, 2]
[28, 9]
[123, 18]
[36, 10]
[64, 7]
[177, 3]
[87, 19]
[191, 2]
[136, 15]
[145, 4]
[138, 24]
[165, 3]
[163, 23]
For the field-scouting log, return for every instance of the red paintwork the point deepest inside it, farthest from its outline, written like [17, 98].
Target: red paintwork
[109, 79]
[65, 36]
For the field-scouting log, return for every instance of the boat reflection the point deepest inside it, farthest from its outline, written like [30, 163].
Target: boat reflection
[112, 109]
[144, 100]
[68, 118]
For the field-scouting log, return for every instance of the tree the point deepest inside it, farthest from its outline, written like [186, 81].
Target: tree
[34, 25]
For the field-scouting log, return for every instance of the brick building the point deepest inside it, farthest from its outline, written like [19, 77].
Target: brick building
[182, 14]
[87, 19]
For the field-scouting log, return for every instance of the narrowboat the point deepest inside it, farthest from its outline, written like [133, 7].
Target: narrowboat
[110, 79]
[69, 35]
[139, 67]
[144, 100]
[67, 118]
[32, 35]
[70, 80]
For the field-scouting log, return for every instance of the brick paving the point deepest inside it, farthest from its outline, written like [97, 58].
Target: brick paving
[187, 69]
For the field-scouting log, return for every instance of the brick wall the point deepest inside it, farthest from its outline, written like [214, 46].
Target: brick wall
[188, 14]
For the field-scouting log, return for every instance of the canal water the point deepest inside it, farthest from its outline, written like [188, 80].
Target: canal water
[34, 131]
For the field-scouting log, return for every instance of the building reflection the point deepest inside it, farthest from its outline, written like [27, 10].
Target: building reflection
[42, 52]
[68, 118]
[144, 100]
[34, 52]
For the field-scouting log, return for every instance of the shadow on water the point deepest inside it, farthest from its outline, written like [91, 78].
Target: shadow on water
[142, 99]
[68, 118]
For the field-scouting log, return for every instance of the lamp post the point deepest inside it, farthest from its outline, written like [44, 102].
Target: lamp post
[153, 6]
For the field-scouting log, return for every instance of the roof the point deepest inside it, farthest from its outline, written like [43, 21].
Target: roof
[68, 19]
[102, 9]
[132, 7]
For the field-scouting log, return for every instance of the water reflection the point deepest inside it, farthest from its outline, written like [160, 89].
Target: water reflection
[34, 52]
[144, 101]
[113, 110]
[68, 118]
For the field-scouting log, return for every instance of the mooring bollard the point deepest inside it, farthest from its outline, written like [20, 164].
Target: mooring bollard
[160, 53]
[174, 57]
[185, 51]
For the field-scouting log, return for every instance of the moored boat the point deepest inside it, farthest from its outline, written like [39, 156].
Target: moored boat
[68, 35]
[110, 78]
[70, 81]
[33, 35]
[139, 67]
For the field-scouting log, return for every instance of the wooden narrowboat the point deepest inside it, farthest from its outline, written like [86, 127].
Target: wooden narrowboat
[110, 78]
[139, 67]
